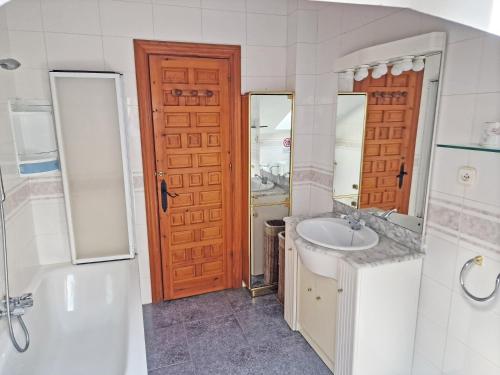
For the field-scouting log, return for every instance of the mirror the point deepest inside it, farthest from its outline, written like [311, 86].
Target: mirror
[383, 141]
[270, 122]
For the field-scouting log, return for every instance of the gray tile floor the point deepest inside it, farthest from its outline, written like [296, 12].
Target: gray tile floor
[225, 332]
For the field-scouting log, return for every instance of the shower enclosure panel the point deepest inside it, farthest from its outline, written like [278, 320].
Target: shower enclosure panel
[90, 128]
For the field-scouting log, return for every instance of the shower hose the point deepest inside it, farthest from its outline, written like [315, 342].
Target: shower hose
[18, 347]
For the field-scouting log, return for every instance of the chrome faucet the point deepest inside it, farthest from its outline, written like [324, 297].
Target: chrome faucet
[274, 166]
[17, 305]
[386, 214]
[354, 220]
[263, 179]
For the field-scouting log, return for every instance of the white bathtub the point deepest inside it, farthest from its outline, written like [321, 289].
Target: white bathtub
[87, 320]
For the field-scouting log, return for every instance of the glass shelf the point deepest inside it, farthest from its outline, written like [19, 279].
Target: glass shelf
[471, 146]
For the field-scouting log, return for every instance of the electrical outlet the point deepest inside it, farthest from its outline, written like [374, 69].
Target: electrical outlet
[466, 175]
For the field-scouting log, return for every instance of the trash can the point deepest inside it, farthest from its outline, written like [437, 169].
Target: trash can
[271, 250]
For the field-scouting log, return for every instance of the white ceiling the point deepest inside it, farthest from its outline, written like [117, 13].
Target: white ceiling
[480, 14]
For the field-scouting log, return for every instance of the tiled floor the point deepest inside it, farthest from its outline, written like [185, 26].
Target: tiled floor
[225, 333]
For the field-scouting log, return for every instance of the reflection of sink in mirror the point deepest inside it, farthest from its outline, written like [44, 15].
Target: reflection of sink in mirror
[258, 185]
[337, 234]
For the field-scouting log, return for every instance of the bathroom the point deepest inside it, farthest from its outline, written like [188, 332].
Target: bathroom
[293, 48]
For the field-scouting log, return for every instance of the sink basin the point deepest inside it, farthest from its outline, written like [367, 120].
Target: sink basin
[257, 185]
[336, 234]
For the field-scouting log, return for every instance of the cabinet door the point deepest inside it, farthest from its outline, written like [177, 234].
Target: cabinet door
[325, 297]
[318, 312]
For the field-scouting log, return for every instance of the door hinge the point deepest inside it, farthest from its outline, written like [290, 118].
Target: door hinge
[159, 174]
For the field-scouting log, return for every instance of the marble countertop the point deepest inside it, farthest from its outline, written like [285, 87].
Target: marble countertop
[387, 250]
[276, 190]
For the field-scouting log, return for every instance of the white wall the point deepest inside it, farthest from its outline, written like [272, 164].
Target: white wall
[291, 43]
[454, 336]
[97, 35]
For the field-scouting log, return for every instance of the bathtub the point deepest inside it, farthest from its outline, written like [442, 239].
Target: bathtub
[87, 320]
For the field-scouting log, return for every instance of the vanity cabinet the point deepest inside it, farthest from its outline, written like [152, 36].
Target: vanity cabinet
[317, 306]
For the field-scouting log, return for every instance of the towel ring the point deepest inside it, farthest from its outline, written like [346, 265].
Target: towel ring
[479, 261]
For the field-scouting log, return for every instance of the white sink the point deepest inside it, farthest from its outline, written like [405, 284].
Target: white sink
[257, 185]
[333, 234]
[336, 234]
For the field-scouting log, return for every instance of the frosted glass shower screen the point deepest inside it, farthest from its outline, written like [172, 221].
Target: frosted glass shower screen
[90, 128]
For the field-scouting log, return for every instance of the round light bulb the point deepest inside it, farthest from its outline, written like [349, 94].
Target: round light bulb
[379, 70]
[361, 73]
[418, 64]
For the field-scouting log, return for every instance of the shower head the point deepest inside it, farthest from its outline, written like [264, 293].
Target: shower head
[9, 64]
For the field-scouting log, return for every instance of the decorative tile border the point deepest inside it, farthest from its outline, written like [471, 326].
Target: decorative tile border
[315, 175]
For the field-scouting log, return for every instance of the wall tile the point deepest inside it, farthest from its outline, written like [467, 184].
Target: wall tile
[32, 83]
[29, 48]
[306, 58]
[440, 260]
[118, 53]
[445, 171]
[177, 23]
[238, 5]
[456, 113]
[489, 74]
[461, 71]
[120, 18]
[265, 83]
[266, 61]
[267, 6]
[304, 119]
[266, 29]
[304, 86]
[430, 341]
[461, 360]
[71, 16]
[485, 189]
[71, 51]
[224, 26]
[24, 15]
[435, 300]
[184, 3]
[307, 26]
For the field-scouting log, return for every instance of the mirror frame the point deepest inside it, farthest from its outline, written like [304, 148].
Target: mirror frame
[247, 157]
[424, 44]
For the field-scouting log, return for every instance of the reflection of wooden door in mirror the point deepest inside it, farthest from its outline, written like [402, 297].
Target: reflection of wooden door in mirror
[390, 137]
[190, 101]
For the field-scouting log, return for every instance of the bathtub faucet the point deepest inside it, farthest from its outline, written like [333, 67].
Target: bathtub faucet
[17, 305]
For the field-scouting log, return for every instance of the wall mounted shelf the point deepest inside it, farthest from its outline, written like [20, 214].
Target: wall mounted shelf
[470, 146]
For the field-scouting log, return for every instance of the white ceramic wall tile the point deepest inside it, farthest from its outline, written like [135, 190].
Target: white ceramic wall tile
[237, 5]
[486, 109]
[306, 58]
[304, 119]
[29, 48]
[24, 15]
[355, 16]
[430, 341]
[326, 88]
[307, 26]
[71, 51]
[445, 171]
[224, 26]
[435, 301]
[304, 85]
[489, 74]
[120, 18]
[422, 366]
[454, 32]
[266, 61]
[461, 360]
[184, 3]
[440, 260]
[49, 216]
[32, 83]
[53, 248]
[292, 28]
[322, 201]
[265, 83]
[291, 59]
[266, 29]
[321, 156]
[327, 52]
[323, 120]
[118, 53]
[302, 150]
[456, 115]
[329, 22]
[300, 199]
[267, 6]
[177, 23]
[71, 16]
[461, 71]
[485, 189]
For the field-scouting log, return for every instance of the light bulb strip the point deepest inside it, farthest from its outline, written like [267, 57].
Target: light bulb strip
[381, 68]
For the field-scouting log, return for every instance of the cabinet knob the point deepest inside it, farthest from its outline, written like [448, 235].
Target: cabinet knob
[318, 298]
[289, 249]
[309, 289]
[340, 290]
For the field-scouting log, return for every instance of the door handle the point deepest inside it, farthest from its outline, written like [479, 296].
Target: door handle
[164, 192]
[401, 175]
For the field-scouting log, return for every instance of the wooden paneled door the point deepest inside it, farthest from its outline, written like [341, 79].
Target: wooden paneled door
[192, 116]
[390, 136]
